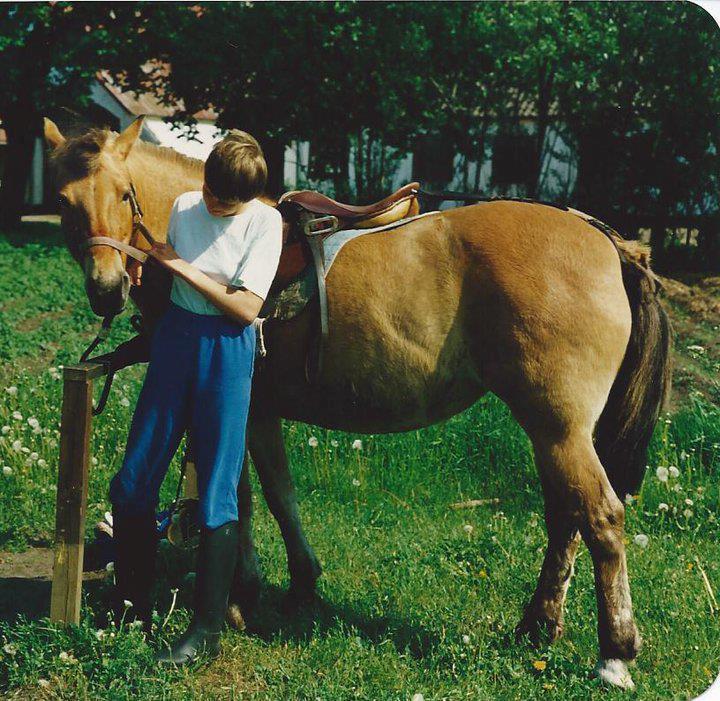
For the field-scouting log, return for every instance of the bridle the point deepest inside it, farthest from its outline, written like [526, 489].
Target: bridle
[137, 226]
[133, 252]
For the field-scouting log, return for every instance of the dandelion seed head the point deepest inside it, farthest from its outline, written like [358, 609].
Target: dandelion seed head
[17, 416]
[662, 506]
[641, 540]
[313, 442]
[674, 472]
[12, 390]
[7, 470]
[662, 473]
[5, 430]
[357, 444]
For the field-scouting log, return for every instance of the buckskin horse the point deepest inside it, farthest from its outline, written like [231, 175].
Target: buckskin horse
[546, 308]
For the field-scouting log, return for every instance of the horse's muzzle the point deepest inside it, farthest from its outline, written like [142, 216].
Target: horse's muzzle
[108, 300]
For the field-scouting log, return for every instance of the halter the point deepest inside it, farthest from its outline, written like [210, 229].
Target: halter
[137, 254]
[137, 226]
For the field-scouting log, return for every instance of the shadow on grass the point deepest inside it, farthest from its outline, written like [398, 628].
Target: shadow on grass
[276, 619]
[45, 234]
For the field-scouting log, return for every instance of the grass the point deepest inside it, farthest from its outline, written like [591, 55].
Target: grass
[416, 598]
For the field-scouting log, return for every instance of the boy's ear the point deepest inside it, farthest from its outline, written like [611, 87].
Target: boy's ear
[128, 137]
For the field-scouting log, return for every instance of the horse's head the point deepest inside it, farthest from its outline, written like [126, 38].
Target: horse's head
[95, 194]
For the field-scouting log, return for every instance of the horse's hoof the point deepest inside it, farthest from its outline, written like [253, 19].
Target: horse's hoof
[539, 628]
[615, 673]
[234, 617]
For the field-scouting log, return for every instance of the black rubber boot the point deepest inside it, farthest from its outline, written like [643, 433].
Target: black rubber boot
[216, 558]
[136, 544]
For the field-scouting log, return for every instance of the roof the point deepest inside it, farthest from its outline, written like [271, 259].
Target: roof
[147, 103]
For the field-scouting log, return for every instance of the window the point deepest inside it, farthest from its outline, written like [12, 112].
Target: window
[513, 160]
[433, 162]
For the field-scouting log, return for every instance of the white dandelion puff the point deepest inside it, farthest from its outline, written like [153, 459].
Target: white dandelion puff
[33, 422]
[5, 429]
[687, 513]
[674, 472]
[33, 456]
[12, 390]
[662, 506]
[125, 401]
[42, 463]
[466, 639]
[43, 683]
[662, 473]
[313, 442]
[127, 604]
[334, 443]
[110, 567]
[356, 482]
[9, 649]
[689, 502]
[641, 540]
[468, 528]
[94, 461]
[16, 446]
[17, 416]
[7, 470]
[357, 444]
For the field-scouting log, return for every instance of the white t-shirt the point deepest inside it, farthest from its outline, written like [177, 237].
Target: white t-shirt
[242, 250]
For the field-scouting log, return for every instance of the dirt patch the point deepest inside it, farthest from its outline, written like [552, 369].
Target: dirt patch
[34, 322]
[693, 302]
[26, 581]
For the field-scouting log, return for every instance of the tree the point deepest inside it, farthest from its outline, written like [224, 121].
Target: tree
[49, 53]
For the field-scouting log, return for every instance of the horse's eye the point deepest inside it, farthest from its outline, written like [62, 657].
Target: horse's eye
[126, 196]
[63, 201]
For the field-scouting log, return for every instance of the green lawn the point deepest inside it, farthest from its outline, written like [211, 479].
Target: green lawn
[416, 597]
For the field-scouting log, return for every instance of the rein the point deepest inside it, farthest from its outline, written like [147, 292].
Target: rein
[137, 254]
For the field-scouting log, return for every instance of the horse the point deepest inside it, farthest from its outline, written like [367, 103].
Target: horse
[555, 314]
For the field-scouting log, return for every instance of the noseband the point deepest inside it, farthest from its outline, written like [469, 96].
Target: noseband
[137, 225]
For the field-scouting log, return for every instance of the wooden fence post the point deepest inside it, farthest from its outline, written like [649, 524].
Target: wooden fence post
[72, 490]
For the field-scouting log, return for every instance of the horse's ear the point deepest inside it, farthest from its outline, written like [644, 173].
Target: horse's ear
[53, 137]
[128, 137]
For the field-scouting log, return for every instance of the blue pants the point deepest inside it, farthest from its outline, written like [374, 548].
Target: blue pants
[199, 379]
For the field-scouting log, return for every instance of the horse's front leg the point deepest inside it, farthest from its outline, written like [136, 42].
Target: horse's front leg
[267, 449]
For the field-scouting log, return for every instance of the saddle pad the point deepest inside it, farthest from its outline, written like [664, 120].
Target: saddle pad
[333, 243]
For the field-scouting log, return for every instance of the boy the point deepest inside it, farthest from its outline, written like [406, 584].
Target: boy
[223, 247]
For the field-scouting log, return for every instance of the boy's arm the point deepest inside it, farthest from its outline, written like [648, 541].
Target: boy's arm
[244, 300]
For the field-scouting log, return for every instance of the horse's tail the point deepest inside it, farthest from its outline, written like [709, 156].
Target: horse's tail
[642, 384]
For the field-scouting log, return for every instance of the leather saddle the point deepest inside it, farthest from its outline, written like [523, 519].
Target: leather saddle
[401, 204]
[309, 217]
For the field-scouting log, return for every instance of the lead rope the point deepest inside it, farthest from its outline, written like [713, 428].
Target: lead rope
[105, 327]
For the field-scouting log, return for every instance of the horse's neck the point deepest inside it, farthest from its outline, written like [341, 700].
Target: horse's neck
[158, 180]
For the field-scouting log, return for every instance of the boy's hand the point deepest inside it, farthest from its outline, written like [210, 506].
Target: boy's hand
[167, 256]
[134, 269]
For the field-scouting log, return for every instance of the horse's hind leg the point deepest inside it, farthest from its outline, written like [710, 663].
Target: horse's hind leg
[571, 468]
[245, 590]
[544, 613]
[267, 449]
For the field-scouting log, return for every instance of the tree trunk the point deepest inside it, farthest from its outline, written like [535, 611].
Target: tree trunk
[274, 150]
[21, 131]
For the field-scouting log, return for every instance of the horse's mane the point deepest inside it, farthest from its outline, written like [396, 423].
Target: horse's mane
[79, 155]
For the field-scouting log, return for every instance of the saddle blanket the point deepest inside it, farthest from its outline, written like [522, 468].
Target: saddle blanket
[333, 243]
